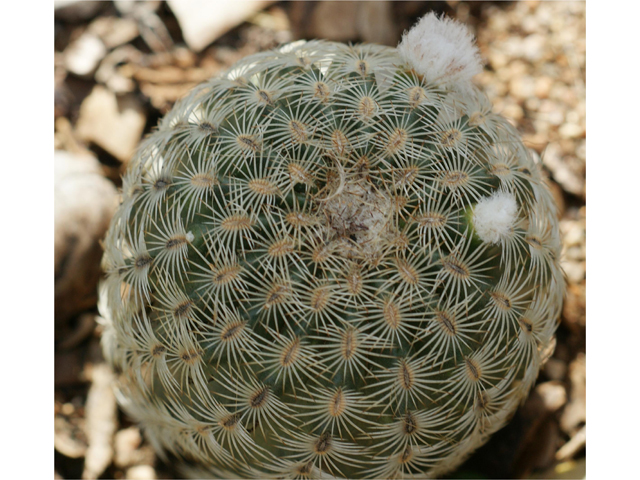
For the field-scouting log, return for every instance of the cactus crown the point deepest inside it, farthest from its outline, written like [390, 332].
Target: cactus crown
[326, 263]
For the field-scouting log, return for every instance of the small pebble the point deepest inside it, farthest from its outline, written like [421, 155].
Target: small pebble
[141, 472]
[83, 56]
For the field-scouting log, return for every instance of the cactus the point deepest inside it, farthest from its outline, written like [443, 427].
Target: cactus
[332, 261]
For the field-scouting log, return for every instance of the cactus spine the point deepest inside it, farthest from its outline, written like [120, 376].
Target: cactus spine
[331, 261]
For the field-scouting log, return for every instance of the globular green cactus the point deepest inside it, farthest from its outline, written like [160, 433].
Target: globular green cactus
[332, 261]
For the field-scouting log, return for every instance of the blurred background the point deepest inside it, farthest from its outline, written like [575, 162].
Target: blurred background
[120, 66]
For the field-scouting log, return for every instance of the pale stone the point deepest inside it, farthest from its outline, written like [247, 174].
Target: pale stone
[141, 472]
[114, 31]
[566, 174]
[126, 442]
[83, 56]
[84, 202]
[203, 21]
[533, 47]
[543, 86]
[113, 123]
[522, 87]
[571, 130]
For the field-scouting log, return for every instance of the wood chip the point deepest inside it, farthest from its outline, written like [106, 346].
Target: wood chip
[573, 446]
[203, 21]
[114, 123]
[84, 204]
[575, 414]
[164, 96]
[101, 413]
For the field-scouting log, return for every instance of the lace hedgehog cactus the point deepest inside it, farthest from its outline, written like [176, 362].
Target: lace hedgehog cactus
[332, 261]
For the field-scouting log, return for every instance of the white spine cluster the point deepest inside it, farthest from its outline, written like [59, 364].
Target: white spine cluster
[443, 50]
[494, 216]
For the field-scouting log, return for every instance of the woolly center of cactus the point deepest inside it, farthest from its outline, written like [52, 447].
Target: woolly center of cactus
[356, 214]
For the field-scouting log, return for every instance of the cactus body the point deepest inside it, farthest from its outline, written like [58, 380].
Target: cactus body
[303, 280]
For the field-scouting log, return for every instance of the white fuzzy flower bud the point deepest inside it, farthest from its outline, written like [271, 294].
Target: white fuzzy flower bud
[494, 216]
[443, 50]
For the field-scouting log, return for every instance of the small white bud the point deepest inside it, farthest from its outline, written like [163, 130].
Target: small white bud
[443, 50]
[494, 216]
[190, 237]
